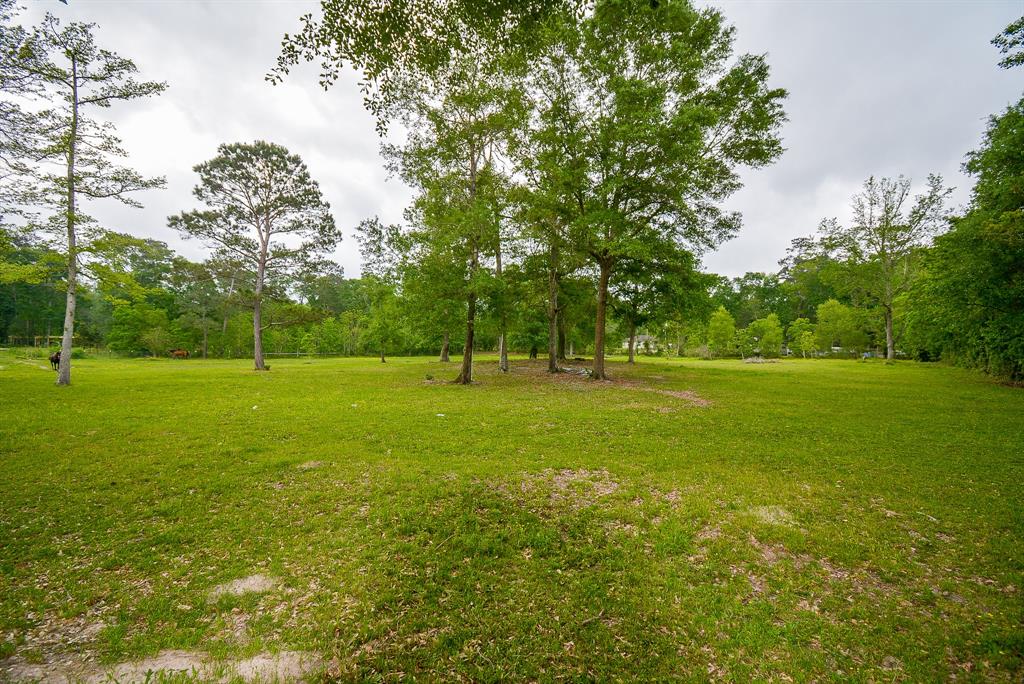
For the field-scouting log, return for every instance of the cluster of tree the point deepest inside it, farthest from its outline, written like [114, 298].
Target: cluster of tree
[591, 156]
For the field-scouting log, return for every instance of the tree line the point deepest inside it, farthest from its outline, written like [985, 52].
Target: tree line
[570, 163]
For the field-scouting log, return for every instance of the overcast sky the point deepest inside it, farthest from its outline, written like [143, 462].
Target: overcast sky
[877, 88]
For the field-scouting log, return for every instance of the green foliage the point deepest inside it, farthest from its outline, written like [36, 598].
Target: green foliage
[800, 336]
[767, 334]
[721, 332]
[969, 306]
[842, 326]
[1011, 43]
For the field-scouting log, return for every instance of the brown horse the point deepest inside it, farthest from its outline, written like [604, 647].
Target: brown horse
[55, 360]
[179, 353]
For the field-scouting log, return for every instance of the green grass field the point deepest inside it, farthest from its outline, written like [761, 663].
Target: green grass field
[694, 520]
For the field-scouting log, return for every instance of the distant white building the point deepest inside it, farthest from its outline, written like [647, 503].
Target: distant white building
[650, 340]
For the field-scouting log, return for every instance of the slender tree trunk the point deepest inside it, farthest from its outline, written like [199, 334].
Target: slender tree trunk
[502, 353]
[64, 373]
[502, 322]
[632, 342]
[572, 350]
[382, 354]
[257, 320]
[890, 343]
[444, 348]
[466, 373]
[552, 316]
[257, 332]
[599, 324]
[561, 335]
[206, 335]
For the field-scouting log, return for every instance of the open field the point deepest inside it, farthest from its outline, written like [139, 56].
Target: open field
[800, 520]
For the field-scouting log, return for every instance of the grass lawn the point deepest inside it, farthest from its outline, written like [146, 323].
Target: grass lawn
[826, 520]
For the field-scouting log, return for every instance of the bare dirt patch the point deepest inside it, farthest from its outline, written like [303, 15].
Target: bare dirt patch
[310, 465]
[251, 584]
[285, 666]
[576, 489]
[773, 515]
[862, 580]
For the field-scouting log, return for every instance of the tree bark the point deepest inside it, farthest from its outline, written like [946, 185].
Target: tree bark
[257, 332]
[503, 324]
[466, 373]
[206, 335]
[890, 343]
[444, 348]
[382, 355]
[257, 317]
[64, 372]
[502, 353]
[552, 317]
[599, 323]
[561, 336]
[632, 342]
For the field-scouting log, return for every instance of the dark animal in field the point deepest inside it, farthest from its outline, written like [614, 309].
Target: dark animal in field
[55, 360]
[179, 353]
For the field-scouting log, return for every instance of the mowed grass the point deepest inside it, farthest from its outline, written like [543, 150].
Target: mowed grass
[827, 520]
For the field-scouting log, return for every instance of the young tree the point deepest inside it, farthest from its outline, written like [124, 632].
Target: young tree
[839, 325]
[458, 125]
[801, 336]
[721, 332]
[659, 121]
[880, 249]
[767, 333]
[64, 67]
[264, 209]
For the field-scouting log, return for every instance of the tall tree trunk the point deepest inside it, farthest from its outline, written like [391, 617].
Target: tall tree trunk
[206, 334]
[444, 348]
[561, 335]
[599, 323]
[552, 316]
[257, 332]
[502, 350]
[502, 347]
[257, 317]
[466, 373]
[64, 372]
[382, 354]
[632, 342]
[572, 350]
[890, 343]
